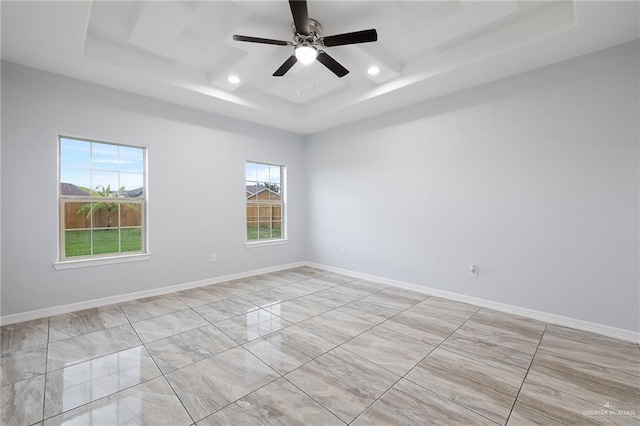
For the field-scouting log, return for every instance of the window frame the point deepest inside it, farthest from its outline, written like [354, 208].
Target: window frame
[64, 262]
[283, 239]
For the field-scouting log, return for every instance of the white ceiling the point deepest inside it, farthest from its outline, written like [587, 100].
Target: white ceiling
[183, 52]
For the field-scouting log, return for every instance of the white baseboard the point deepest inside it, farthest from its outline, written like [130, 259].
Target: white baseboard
[605, 330]
[96, 303]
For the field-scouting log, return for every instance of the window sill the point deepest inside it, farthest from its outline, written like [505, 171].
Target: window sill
[85, 263]
[266, 243]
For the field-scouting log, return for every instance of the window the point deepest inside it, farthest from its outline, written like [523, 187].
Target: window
[102, 199]
[265, 201]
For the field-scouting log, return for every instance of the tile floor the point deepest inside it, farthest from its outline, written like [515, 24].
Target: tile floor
[304, 346]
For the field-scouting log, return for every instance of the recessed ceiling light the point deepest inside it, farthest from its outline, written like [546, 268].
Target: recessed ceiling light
[373, 70]
[233, 79]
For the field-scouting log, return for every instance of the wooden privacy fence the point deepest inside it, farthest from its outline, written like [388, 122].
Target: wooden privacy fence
[129, 214]
[264, 215]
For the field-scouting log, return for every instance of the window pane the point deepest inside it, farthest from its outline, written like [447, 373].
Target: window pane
[277, 212]
[131, 185]
[252, 230]
[263, 172]
[276, 229]
[77, 215]
[105, 184]
[131, 159]
[131, 214]
[106, 241]
[274, 192]
[131, 239]
[77, 243]
[104, 156]
[74, 154]
[251, 171]
[105, 215]
[274, 174]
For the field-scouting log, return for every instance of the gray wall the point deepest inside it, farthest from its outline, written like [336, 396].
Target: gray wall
[196, 189]
[534, 178]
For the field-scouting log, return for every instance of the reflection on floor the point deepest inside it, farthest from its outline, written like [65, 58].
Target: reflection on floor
[305, 346]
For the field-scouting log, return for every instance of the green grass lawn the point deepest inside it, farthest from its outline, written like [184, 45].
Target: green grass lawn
[78, 243]
[265, 233]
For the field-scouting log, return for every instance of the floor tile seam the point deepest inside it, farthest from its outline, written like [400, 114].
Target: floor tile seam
[422, 387]
[179, 332]
[87, 334]
[139, 343]
[524, 379]
[579, 380]
[101, 398]
[46, 361]
[517, 339]
[239, 398]
[508, 331]
[563, 356]
[382, 366]
[313, 399]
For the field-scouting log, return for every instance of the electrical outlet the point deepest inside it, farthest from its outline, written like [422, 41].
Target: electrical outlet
[473, 271]
[213, 257]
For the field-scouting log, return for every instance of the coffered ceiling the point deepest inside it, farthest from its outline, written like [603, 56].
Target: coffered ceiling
[183, 52]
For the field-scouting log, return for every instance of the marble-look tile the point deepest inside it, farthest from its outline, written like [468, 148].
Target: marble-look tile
[189, 347]
[507, 325]
[306, 287]
[336, 279]
[350, 294]
[241, 286]
[367, 311]
[422, 327]
[278, 403]
[210, 384]
[542, 405]
[74, 350]
[202, 295]
[289, 348]
[389, 301]
[168, 325]
[291, 275]
[88, 381]
[22, 365]
[500, 352]
[365, 288]
[590, 382]
[332, 298]
[402, 294]
[445, 310]
[335, 326]
[264, 298]
[393, 351]
[23, 335]
[149, 403]
[225, 309]
[409, 404]
[297, 310]
[483, 389]
[22, 401]
[343, 382]
[141, 309]
[593, 348]
[307, 271]
[85, 321]
[251, 325]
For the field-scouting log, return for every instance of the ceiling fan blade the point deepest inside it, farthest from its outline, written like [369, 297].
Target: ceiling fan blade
[237, 37]
[286, 66]
[332, 64]
[300, 16]
[365, 36]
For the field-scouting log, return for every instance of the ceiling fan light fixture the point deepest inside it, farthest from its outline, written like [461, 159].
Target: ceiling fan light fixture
[233, 79]
[306, 54]
[373, 70]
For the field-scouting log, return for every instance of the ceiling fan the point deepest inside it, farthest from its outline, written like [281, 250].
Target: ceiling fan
[307, 43]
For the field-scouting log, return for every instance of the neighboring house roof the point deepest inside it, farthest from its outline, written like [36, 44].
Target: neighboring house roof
[133, 193]
[71, 189]
[262, 189]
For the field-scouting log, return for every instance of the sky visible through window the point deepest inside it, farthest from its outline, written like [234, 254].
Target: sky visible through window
[93, 164]
[261, 173]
